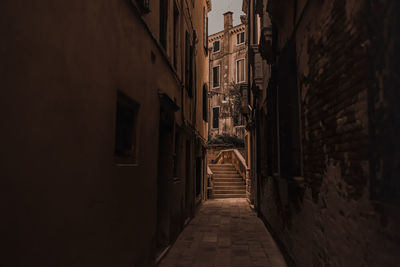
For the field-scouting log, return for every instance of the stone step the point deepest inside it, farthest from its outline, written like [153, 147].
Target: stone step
[228, 178]
[229, 187]
[225, 171]
[223, 168]
[229, 191]
[229, 196]
[226, 174]
[228, 184]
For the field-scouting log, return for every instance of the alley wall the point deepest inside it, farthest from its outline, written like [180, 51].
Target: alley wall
[328, 188]
[67, 199]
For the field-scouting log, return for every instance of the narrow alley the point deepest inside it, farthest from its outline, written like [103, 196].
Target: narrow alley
[225, 232]
[179, 133]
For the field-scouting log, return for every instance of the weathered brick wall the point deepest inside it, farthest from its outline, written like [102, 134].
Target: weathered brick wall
[348, 122]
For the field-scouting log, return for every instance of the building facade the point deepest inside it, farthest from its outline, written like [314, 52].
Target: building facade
[228, 61]
[103, 156]
[322, 133]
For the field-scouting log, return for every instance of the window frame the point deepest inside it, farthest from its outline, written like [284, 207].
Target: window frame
[124, 101]
[219, 76]
[163, 23]
[237, 38]
[219, 46]
[237, 71]
[176, 37]
[212, 123]
[205, 103]
[205, 30]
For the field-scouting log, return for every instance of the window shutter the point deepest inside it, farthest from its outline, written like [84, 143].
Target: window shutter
[187, 60]
[205, 103]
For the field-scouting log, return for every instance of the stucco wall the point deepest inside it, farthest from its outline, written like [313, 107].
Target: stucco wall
[64, 200]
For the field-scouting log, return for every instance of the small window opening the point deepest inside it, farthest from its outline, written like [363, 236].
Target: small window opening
[126, 125]
[216, 46]
[216, 117]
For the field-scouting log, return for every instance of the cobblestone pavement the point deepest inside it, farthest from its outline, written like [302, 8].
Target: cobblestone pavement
[225, 232]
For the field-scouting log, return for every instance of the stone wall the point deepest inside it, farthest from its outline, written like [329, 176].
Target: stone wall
[343, 209]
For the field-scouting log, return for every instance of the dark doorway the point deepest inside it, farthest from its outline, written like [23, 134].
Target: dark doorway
[164, 168]
[187, 181]
[165, 171]
[198, 176]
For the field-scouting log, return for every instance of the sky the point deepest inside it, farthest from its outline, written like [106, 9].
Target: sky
[218, 8]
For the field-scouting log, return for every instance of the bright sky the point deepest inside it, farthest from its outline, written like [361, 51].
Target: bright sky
[218, 8]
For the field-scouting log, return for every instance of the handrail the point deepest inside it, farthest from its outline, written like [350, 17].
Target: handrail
[210, 182]
[209, 171]
[234, 157]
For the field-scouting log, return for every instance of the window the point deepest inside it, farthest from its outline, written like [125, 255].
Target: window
[126, 129]
[176, 19]
[190, 68]
[189, 65]
[205, 103]
[187, 60]
[216, 117]
[240, 38]
[240, 71]
[216, 46]
[205, 30]
[216, 76]
[163, 22]
[176, 156]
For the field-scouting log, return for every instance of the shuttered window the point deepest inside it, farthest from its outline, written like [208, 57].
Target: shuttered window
[240, 38]
[205, 103]
[216, 76]
[216, 46]
[163, 22]
[240, 71]
[216, 117]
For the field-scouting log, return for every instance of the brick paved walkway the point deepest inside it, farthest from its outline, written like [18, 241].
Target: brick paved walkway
[225, 232]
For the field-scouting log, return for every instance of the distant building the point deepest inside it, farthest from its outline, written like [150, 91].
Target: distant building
[228, 61]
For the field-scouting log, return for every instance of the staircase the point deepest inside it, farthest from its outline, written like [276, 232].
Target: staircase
[227, 182]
